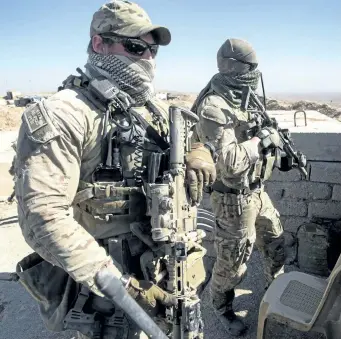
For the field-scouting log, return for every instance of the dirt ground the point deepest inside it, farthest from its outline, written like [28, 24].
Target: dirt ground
[10, 117]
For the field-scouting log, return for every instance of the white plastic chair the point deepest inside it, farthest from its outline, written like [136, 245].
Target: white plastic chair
[304, 302]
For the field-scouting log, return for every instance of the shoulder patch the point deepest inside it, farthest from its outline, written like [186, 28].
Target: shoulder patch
[39, 126]
[35, 119]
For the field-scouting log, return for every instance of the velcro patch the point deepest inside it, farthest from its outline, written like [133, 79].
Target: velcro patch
[35, 118]
[39, 126]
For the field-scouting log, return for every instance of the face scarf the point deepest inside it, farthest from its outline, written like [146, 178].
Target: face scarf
[230, 87]
[133, 76]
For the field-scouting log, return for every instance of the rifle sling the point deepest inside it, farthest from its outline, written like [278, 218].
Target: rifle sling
[151, 131]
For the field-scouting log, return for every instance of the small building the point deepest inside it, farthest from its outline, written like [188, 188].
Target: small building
[11, 95]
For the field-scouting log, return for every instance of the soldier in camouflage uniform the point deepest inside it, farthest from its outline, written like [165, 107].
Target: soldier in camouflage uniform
[72, 157]
[244, 212]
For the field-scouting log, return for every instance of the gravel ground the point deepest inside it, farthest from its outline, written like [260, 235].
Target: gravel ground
[19, 317]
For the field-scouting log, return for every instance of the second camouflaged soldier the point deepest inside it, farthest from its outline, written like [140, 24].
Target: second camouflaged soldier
[244, 212]
[78, 154]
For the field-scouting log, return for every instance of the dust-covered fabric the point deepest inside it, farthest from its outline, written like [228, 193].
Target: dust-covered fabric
[60, 145]
[224, 127]
[241, 222]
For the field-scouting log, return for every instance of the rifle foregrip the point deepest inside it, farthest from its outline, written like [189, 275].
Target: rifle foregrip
[114, 290]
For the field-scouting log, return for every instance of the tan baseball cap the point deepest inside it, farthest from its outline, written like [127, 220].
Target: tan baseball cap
[128, 19]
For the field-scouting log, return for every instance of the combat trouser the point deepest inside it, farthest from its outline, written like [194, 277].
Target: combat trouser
[241, 221]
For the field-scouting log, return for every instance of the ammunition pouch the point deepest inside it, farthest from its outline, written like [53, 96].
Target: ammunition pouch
[108, 208]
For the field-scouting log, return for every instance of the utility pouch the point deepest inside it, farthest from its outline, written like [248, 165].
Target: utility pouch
[50, 286]
[233, 204]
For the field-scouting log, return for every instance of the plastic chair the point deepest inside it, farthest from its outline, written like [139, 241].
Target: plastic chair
[304, 302]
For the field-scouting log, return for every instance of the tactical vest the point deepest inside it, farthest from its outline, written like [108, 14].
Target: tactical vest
[262, 169]
[133, 151]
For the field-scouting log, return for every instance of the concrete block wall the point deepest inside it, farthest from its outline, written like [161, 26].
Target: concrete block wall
[300, 200]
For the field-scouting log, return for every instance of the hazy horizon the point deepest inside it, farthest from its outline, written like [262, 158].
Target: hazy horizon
[326, 97]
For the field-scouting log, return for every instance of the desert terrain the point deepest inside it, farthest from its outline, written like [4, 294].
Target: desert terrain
[328, 104]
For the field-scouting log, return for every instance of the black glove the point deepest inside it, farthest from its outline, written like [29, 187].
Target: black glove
[269, 137]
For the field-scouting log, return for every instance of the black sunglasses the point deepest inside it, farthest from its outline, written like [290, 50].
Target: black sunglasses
[134, 46]
[252, 66]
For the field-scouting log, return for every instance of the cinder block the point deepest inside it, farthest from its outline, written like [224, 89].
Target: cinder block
[327, 209]
[299, 190]
[318, 146]
[291, 224]
[329, 172]
[293, 175]
[336, 192]
[274, 190]
[287, 207]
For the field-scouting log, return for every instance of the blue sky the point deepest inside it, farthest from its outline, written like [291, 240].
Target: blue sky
[298, 42]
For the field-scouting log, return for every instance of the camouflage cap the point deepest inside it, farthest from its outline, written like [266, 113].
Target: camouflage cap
[128, 19]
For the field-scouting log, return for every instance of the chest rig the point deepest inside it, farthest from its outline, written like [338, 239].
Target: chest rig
[133, 152]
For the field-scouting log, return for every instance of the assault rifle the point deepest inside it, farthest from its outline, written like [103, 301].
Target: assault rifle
[174, 240]
[174, 228]
[251, 103]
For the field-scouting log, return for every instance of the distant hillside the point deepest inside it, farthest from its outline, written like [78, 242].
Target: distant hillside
[330, 111]
[274, 103]
[332, 98]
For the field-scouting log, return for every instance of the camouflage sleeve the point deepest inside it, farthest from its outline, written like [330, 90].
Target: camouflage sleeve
[217, 125]
[49, 154]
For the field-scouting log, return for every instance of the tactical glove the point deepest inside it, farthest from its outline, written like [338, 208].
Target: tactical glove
[269, 137]
[148, 295]
[200, 170]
